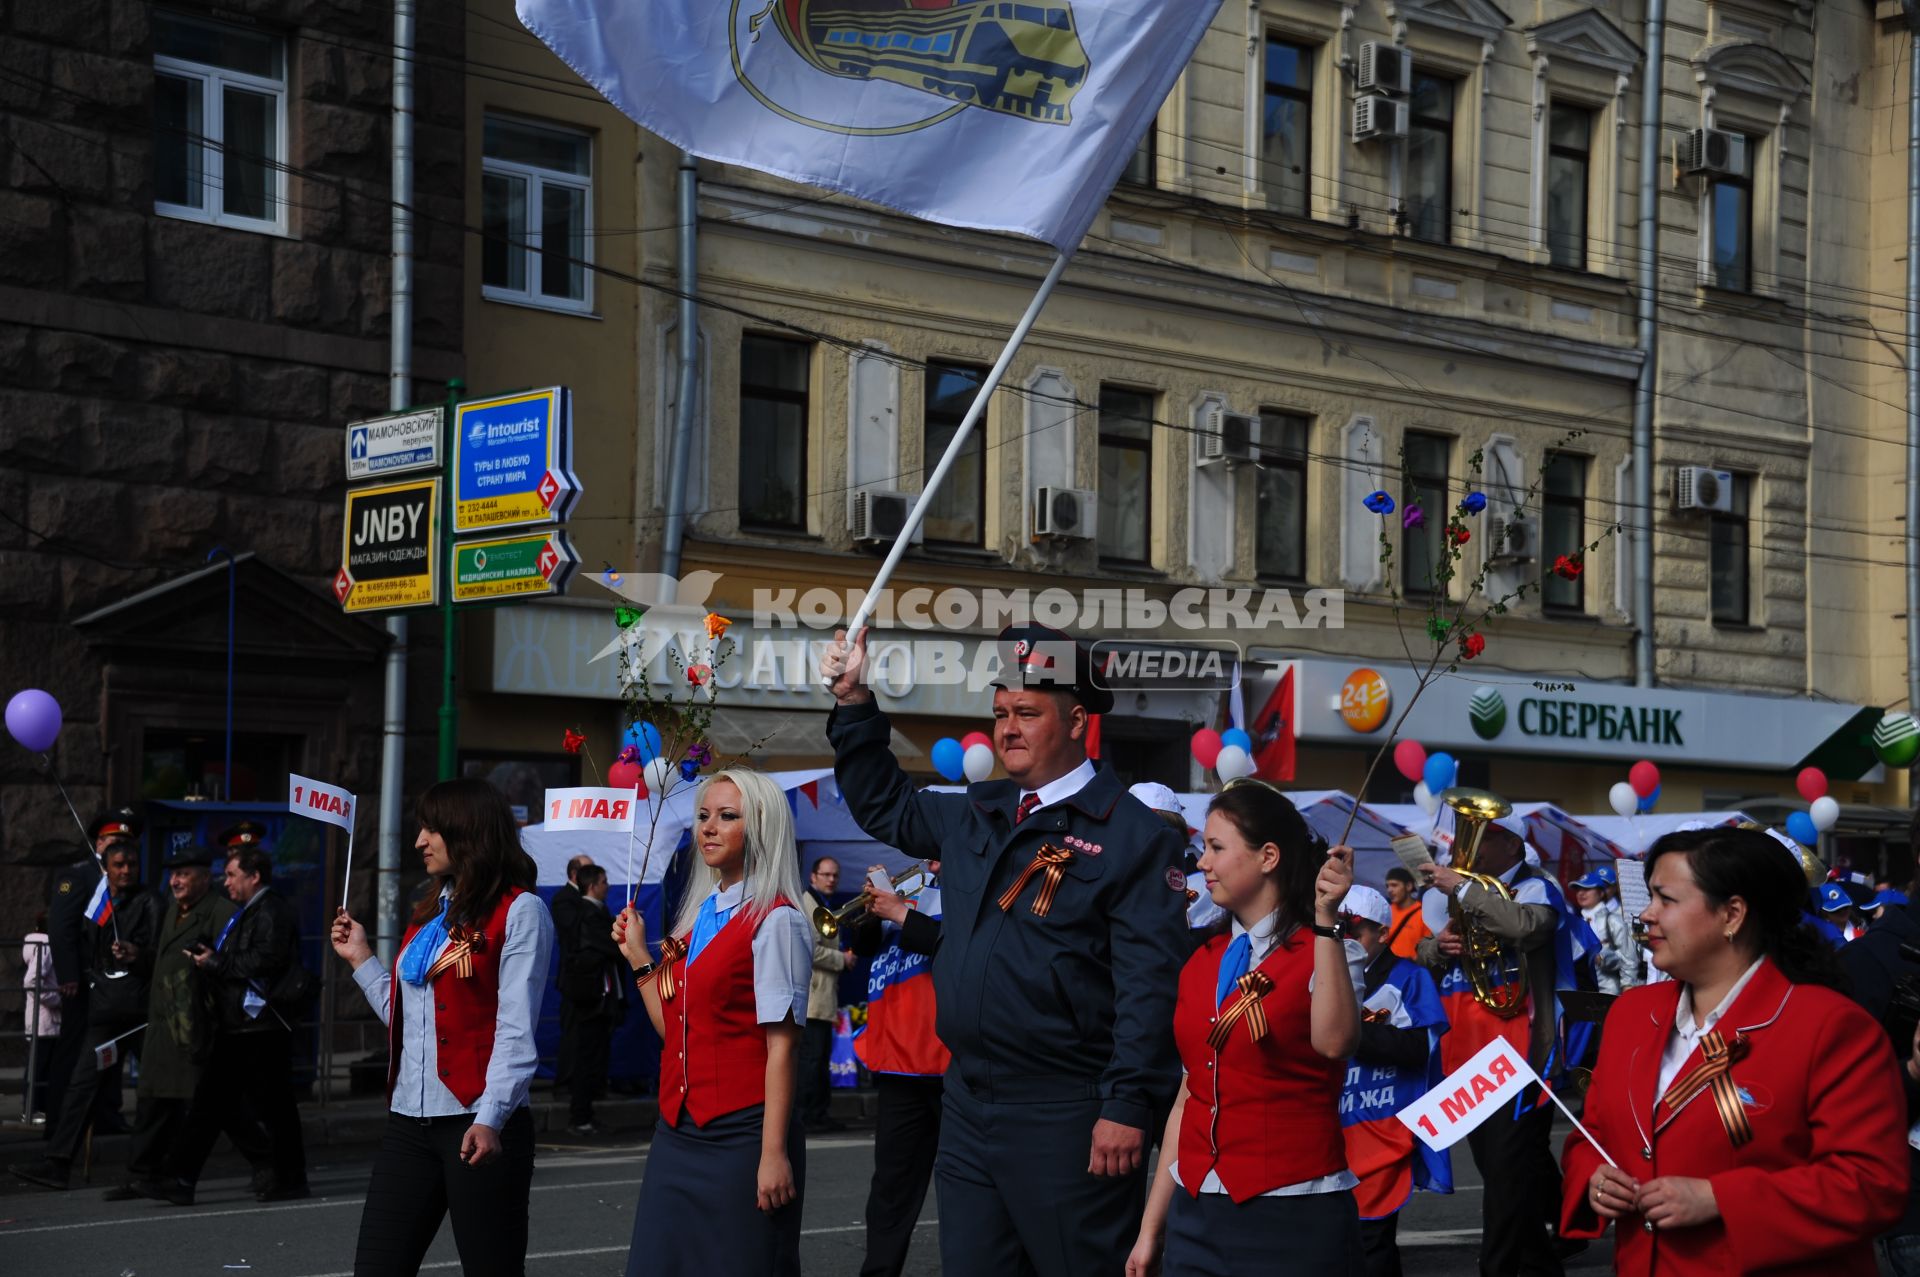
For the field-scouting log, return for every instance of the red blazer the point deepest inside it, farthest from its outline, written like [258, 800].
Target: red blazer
[1825, 1171]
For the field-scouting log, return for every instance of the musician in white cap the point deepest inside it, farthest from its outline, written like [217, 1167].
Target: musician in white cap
[1164, 803]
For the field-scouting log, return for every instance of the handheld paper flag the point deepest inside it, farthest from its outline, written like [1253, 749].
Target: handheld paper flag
[320, 800]
[1449, 1112]
[590, 807]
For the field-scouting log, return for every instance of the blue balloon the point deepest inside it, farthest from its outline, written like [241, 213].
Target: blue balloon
[1440, 772]
[949, 758]
[1800, 829]
[1235, 736]
[1646, 804]
[644, 737]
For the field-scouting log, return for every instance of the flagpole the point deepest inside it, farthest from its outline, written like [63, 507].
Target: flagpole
[636, 820]
[974, 413]
[346, 878]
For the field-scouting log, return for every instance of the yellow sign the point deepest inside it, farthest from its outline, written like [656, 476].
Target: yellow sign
[1364, 700]
[387, 557]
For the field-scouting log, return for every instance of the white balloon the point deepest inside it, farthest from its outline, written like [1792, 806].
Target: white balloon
[977, 762]
[1825, 812]
[658, 771]
[1429, 803]
[1623, 800]
[1233, 763]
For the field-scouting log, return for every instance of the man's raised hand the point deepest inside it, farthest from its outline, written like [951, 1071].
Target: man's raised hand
[844, 668]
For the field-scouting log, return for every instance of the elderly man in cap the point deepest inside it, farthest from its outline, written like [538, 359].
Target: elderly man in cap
[1063, 936]
[1519, 1170]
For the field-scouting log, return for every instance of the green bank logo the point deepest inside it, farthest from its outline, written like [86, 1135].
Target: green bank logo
[1896, 739]
[1487, 711]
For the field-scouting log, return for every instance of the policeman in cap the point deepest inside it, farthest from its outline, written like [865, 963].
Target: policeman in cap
[1064, 933]
[244, 834]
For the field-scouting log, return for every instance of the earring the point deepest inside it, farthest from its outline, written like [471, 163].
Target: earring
[1729, 937]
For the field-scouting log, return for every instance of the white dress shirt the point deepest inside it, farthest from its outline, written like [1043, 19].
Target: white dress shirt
[1064, 787]
[1686, 1034]
[417, 1089]
[1265, 939]
[782, 959]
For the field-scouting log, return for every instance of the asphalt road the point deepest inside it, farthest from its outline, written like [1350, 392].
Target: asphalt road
[583, 1196]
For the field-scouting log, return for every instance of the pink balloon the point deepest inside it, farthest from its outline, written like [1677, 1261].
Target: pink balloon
[626, 776]
[1410, 756]
[1206, 746]
[1644, 777]
[975, 738]
[1811, 782]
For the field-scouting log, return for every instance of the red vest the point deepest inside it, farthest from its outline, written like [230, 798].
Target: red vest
[466, 1004]
[1278, 1119]
[714, 1060]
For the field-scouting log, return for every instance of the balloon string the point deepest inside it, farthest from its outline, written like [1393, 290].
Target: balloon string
[81, 825]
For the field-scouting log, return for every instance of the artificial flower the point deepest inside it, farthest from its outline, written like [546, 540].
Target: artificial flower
[1567, 568]
[1458, 535]
[1379, 503]
[700, 675]
[628, 754]
[689, 770]
[1474, 502]
[1437, 629]
[628, 617]
[572, 741]
[1413, 517]
[716, 625]
[1472, 645]
[700, 752]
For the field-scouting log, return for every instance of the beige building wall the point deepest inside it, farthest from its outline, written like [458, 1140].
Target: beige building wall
[1200, 289]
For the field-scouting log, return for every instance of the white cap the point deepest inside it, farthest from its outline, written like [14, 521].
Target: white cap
[1365, 902]
[1157, 796]
[1512, 823]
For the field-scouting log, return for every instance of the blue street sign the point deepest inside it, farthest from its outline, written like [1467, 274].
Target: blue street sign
[512, 461]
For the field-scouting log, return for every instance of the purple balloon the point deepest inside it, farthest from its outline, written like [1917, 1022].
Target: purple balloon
[33, 719]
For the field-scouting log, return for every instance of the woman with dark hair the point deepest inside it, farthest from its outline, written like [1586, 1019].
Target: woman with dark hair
[724, 1176]
[473, 965]
[1765, 1133]
[1253, 1173]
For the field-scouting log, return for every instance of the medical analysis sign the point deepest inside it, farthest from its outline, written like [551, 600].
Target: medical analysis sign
[513, 461]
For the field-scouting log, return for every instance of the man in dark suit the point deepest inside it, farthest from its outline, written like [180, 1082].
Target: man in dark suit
[70, 935]
[1063, 936]
[252, 1060]
[566, 908]
[595, 978]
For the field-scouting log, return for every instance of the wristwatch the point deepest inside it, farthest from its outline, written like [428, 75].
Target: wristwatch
[640, 975]
[1337, 931]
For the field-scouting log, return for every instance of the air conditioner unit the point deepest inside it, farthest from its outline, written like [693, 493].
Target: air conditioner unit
[1383, 68]
[1512, 539]
[1377, 117]
[877, 517]
[1226, 437]
[1698, 488]
[1066, 514]
[1712, 151]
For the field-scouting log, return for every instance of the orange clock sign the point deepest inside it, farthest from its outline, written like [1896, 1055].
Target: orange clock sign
[1364, 700]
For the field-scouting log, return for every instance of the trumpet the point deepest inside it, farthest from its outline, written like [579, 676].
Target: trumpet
[827, 923]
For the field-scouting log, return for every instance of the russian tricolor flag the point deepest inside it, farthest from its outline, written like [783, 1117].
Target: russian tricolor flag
[100, 907]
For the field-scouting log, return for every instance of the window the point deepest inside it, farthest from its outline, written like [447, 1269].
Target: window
[220, 123]
[773, 432]
[1424, 463]
[1126, 474]
[1139, 170]
[1429, 202]
[1569, 144]
[1563, 530]
[1729, 559]
[1280, 496]
[957, 515]
[536, 214]
[1286, 137]
[1732, 198]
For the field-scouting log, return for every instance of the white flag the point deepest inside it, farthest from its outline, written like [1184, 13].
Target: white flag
[1470, 1095]
[983, 113]
[322, 801]
[590, 807]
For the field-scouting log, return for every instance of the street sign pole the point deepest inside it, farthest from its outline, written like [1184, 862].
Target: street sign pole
[449, 709]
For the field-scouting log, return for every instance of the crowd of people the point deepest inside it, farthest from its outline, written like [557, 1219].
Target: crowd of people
[1109, 1048]
[205, 984]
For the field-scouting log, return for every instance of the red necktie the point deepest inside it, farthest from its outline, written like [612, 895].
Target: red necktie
[1026, 807]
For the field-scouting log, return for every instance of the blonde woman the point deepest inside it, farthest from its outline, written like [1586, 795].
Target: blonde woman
[728, 998]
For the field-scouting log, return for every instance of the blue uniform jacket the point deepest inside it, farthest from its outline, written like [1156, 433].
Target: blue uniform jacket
[1074, 1005]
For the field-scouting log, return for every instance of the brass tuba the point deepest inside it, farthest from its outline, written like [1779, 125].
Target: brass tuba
[1495, 968]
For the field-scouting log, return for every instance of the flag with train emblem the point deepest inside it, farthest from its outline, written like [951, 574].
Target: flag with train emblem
[988, 114]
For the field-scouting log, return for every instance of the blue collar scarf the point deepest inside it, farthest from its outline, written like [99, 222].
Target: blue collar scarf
[418, 959]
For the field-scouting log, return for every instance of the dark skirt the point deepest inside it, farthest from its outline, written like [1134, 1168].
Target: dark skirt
[697, 1215]
[1209, 1236]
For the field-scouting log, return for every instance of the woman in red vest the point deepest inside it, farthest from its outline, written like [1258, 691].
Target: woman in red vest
[1253, 1171]
[472, 968]
[1756, 1114]
[722, 1188]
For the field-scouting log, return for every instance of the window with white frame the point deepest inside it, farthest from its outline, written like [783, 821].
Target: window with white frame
[536, 213]
[1569, 166]
[220, 123]
[1286, 126]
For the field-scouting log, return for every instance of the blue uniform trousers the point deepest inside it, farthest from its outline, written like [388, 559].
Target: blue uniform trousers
[1015, 1196]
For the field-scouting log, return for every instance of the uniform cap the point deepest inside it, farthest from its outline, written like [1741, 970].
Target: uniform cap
[1043, 657]
[1365, 902]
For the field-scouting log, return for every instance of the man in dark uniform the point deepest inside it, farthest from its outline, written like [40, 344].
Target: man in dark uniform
[121, 956]
[596, 979]
[568, 905]
[71, 937]
[1064, 932]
